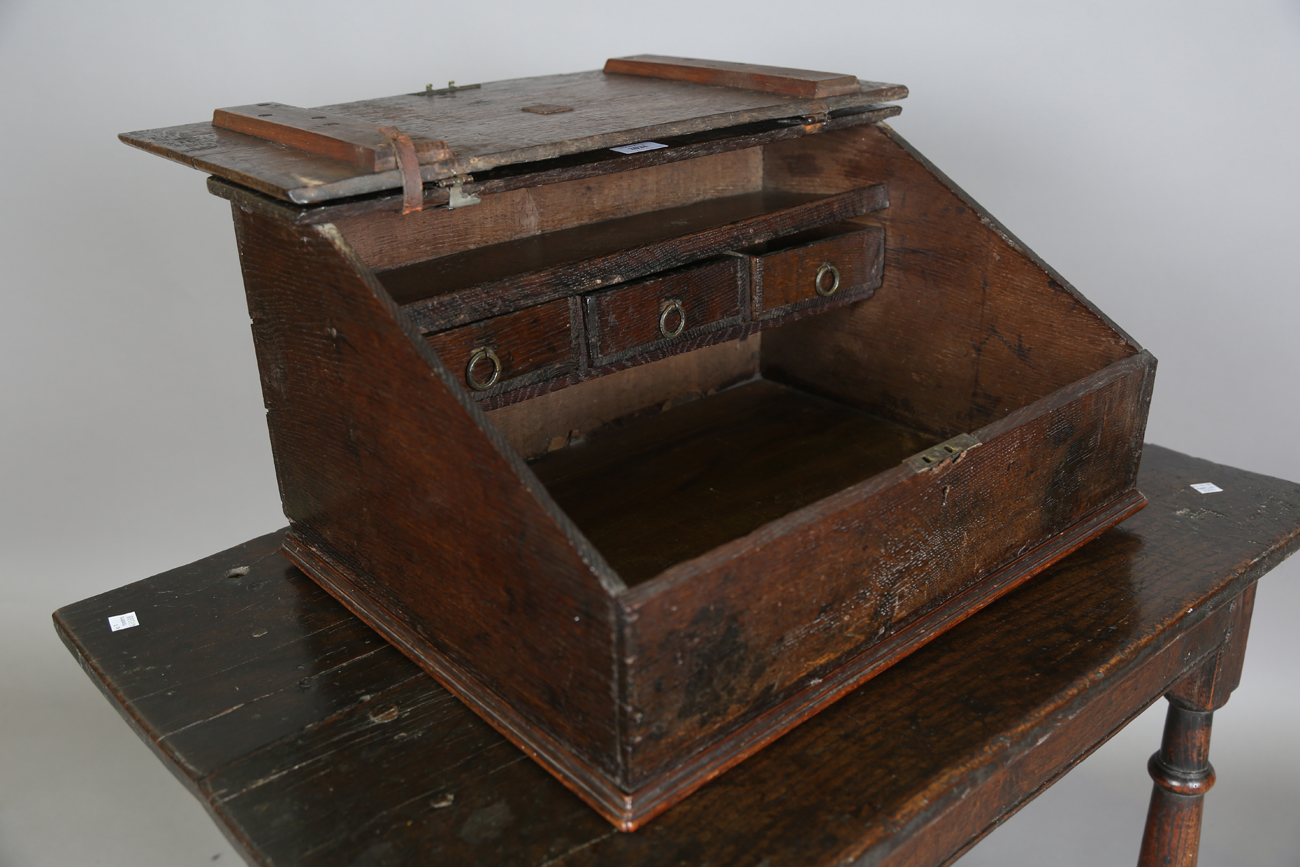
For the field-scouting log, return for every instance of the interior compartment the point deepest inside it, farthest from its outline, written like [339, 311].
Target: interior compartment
[662, 489]
[659, 460]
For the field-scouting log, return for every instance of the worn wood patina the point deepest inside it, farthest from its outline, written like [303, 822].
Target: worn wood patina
[649, 454]
[312, 741]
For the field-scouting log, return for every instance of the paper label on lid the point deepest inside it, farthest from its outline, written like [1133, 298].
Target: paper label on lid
[1207, 488]
[638, 147]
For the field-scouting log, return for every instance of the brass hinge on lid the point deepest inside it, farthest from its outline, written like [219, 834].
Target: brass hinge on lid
[451, 88]
[455, 187]
[951, 450]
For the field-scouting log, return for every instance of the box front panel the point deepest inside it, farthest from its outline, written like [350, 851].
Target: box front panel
[723, 639]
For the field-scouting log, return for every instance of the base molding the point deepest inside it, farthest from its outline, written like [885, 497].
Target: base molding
[629, 810]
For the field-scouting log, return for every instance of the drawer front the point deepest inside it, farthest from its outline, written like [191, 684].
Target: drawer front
[513, 350]
[833, 270]
[665, 311]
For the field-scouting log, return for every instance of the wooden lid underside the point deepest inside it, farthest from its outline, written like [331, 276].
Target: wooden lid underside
[491, 125]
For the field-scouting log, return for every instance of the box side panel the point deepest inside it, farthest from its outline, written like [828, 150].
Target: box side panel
[721, 641]
[431, 520]
[967, 325]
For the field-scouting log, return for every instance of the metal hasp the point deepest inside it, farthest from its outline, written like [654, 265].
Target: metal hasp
[951, 450]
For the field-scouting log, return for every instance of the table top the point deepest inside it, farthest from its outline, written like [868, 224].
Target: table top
[312, 741]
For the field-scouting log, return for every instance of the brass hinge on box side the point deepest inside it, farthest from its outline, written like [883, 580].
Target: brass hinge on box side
[950, 450]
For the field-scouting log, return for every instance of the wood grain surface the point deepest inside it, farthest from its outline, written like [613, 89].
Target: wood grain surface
[677, 485]
[495, 279]
[786, 272]
[841, 598]
[328, 135]
[770, 79]
[387, 240]
[548, 421]
[584, 165]
[529, 345]
[387, 465]
[485, 129]
[314, 742]
[630, 320]
[967, 325]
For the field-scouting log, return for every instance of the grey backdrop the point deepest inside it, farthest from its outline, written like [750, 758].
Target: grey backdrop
[1147, 151]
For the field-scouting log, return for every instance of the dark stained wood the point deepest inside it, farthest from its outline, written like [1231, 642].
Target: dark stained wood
[714, 672]
[1208, 687]
[657, 352]
[313, 742]
[492, 280]
[632, 320]
[485, 129]
[770, 79]
[780, 549]
[800, 593]
[786, 272]
[1182, 773]
[677, 485]
[530, 345]
[548, 421]
[1181, 768]
[441, 514]
[967, 325]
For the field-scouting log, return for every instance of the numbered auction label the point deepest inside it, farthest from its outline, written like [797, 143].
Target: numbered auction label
[123, 621]
[638, 147]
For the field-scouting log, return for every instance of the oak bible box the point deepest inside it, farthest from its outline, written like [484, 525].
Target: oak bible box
[652, 409]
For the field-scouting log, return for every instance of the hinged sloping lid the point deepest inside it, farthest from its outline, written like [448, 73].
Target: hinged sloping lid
[317, 155]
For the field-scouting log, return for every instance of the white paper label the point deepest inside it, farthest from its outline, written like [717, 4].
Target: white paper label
[638, 147]
[1207, 488]
[123, 621]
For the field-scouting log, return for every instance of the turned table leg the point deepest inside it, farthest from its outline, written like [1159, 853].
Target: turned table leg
[1181, 768]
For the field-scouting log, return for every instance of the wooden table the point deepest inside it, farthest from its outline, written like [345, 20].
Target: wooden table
[311, 741]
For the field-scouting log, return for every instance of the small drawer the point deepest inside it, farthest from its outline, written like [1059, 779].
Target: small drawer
[514, 350]
[665, 311]
[830, 265]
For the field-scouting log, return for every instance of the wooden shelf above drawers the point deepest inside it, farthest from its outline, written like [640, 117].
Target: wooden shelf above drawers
[488, 281]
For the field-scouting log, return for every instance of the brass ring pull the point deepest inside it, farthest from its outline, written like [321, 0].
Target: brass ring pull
[820, 284]
[668, 308]
[483, 352]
